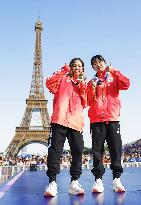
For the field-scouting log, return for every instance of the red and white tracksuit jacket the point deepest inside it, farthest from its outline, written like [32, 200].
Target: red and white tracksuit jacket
[69, 100]
[104, 99]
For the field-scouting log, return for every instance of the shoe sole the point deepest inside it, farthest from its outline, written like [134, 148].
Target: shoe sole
[97, 191]
[119, 190]
[74, 193]
[49, 194]
[77, 194]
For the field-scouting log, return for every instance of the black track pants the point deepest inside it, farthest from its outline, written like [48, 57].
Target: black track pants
[75, 138]
[110, 132]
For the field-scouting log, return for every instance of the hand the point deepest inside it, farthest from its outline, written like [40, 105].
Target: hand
[66, 67]
[81, 78]
[109, 68]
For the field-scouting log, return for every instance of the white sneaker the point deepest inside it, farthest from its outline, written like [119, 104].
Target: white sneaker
[75, 188]
[98, 186]
[117, 185]
[51, 189]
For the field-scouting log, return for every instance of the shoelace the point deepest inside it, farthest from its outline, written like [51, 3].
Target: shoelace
[76, 184]
[118, 182]
[79, 185]
[51, 185]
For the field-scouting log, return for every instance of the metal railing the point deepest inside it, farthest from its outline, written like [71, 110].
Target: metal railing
[9, 171]
[107, 165]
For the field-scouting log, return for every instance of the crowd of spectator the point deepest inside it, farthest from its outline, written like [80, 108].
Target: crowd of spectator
[131, 153]
[65, 160]
[8, 163]
[134, 147]
[23, 161]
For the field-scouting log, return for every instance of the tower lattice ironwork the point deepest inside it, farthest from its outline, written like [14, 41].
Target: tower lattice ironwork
[35, 125]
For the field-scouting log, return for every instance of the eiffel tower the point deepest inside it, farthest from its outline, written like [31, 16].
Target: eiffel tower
[35, 125]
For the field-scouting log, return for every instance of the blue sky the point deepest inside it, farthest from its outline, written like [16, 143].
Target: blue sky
[71, 29]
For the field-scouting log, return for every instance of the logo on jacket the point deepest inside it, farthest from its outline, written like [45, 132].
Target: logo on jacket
[110, 79]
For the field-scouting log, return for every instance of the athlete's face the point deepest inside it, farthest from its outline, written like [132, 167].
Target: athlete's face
[77, 68]
[99, 65]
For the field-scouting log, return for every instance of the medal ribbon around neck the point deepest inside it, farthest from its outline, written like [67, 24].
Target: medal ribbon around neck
[97, 81]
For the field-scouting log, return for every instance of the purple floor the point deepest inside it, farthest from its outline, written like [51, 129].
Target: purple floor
[29, 188]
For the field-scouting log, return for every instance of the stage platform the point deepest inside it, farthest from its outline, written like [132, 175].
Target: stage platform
[28, 186]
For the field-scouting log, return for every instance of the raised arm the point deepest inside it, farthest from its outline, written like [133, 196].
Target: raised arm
[53, 82]
[122, 81]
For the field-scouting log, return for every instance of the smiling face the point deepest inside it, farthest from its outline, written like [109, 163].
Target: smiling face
[77, 68]
[99, 65]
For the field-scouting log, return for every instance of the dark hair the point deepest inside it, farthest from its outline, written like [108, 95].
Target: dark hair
[72, 62]
[99, 57]
[75, 59]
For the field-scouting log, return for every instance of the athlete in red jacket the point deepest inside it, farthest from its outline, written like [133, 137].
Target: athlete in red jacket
[69, 91]
[104, 111]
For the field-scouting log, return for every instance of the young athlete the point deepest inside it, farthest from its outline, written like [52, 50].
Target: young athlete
[69, 89]
[104, 111]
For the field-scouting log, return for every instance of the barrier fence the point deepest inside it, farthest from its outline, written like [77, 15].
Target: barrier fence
[9, 171]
